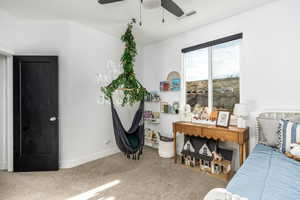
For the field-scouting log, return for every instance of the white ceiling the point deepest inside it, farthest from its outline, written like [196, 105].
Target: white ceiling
[113, 17]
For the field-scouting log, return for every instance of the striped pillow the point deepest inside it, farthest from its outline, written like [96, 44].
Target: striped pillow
[289, 133]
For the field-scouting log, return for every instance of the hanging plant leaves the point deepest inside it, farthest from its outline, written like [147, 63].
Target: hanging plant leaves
[127, 82]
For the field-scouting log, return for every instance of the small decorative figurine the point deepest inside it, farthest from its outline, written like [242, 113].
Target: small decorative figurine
[217, 156]
[295, 152]
[176, 107]
[187, 113]
[205, 114]
[198, 109]
[213, 115]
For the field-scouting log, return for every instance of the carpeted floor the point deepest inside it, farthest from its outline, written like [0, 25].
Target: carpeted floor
[111, 178]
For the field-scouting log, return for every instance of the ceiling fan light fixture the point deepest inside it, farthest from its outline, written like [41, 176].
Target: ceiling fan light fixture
[151, 4]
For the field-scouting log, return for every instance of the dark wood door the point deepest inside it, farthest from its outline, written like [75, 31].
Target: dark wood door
[35, 113]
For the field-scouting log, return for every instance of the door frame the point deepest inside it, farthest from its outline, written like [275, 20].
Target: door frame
[8, 102]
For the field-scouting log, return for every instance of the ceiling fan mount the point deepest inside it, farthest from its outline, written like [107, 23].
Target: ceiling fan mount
[151, 4]
[168, 5]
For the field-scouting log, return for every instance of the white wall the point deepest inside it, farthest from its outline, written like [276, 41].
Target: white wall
[3, 160]
[269, 57]
[83, 52]
[26, 36]
[85, 125]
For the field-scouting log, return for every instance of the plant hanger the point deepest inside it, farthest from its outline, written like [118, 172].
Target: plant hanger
[127, 81]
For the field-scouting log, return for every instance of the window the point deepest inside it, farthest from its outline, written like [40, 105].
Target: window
[196, 69]
[189, 147]
[205, 151]
[212, 75]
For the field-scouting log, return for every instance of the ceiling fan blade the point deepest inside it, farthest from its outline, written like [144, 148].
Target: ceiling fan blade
[108, 1]
[172, 7]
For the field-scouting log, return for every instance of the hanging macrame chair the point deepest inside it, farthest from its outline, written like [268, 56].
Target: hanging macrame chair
[130, 142]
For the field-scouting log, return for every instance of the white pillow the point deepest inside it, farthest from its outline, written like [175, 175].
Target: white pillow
[289, 133]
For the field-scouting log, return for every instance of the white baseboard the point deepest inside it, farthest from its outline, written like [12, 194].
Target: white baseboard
[3, 166]
[88, 158]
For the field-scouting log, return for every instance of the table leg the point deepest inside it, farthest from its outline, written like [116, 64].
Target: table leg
[247, 149]
[244, 152]
[241, 151]
[175, 146]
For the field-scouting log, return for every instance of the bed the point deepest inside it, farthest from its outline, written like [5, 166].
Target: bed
[267, 174]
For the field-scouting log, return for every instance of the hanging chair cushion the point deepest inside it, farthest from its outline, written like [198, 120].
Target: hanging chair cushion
[134, 141]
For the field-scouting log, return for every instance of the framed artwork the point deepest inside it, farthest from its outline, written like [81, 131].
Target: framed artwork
[164, 86]
[223, 119]
[175, 84]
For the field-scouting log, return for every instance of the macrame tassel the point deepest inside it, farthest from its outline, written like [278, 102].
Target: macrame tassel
[134, 156]
[141, 151]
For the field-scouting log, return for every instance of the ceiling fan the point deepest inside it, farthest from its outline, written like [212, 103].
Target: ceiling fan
[168, 5]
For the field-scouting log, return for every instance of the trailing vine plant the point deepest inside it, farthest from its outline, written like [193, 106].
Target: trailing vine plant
[127, 82]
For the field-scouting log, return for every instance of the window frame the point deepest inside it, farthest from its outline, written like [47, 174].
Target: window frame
[209, 46]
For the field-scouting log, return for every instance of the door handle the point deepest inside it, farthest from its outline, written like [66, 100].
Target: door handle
[52, 119]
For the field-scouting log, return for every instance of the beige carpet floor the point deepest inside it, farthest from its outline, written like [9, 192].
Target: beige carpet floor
[111, 178]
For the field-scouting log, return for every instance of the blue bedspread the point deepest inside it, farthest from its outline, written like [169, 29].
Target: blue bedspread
[267, 175]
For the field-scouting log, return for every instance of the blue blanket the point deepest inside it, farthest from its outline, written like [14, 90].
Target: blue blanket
[267, 175]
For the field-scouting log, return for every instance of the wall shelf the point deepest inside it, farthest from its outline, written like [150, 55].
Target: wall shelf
[170, 113]
[171, 91]
[152, 121]
[151, 143]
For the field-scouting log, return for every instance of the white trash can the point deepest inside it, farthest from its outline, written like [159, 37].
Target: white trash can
[166, 147]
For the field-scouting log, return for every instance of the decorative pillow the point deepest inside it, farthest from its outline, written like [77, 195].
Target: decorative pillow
[267, 131]
[295, 118]
[289, 133]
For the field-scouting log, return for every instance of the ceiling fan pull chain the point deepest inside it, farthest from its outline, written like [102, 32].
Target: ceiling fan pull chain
[141, 12]
[163, 15]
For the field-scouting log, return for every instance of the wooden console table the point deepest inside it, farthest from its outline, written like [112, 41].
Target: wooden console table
[233, 134]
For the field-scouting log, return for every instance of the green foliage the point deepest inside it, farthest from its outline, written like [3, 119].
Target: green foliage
[132, 88]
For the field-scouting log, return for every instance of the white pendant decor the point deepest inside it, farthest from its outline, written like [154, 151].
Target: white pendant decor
[111, 72]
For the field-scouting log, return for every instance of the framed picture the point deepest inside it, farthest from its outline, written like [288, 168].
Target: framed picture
[223, 119]
[175, 84]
